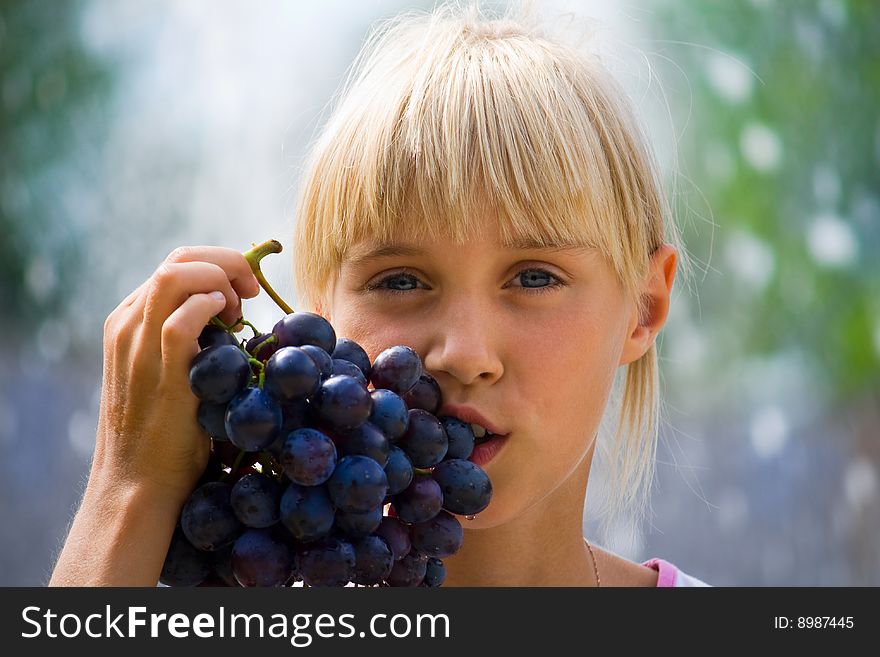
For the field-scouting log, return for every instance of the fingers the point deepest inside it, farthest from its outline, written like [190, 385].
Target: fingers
[187, 273]
[182, 328]
[237, 269]
[173, 283]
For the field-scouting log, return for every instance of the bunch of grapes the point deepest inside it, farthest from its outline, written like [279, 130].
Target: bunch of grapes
[325, 468]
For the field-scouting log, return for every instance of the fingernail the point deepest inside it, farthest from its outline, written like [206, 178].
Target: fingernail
[219, 296]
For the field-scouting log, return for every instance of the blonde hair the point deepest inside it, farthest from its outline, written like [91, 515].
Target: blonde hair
[449, 112]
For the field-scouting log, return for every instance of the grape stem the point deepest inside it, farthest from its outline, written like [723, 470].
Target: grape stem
[261, 377]
[247, 323]
[235, 465]
[266, 463]
[272, 339]
[253, 257]
[216, 321]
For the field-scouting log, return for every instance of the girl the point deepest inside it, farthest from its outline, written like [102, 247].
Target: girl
[483, 194]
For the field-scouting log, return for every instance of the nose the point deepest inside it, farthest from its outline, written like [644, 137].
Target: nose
[464, 344]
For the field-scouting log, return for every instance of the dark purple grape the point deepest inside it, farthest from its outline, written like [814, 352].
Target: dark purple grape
[307, 511]
[355, 525]
[207, 519]
[221, 564]
[291, 374]
[253, 420]
[214, 580]
[373, 560]
[466, 486]
[308, 457]
[185, 565]
[366, 440]
[294, 415]
[441, 536]
[343, 403]
[460, 436]
[262, 346]
[398, 470]
[396, 534]
[212, 336]
[425, 394]
[347, 368]
[425, 441]
[213, 469]
[328, 562]
[396, 369]
[322, 360]
[409, 571]
[255, 498]
[218, 373]
[351, 351]
[261, 558]
[421, 501]
[212, 420]
[435, 573]
[229, 453]
[301, 328]
[358, 484]
[389, 413]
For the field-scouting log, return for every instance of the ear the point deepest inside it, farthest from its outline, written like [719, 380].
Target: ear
[656, 289]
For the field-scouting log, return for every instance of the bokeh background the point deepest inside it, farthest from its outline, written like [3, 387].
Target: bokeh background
[128, 128]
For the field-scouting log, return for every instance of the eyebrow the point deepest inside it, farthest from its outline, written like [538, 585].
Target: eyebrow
[402, 249]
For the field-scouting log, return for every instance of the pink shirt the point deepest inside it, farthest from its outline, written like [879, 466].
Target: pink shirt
[670, 575]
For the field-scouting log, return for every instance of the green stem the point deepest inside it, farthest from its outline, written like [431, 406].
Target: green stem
[253, 257]
[234, 465]
[422, 470]
[253, 328]
[216, 321]
[272, 339]
[261, 377]
[266, 461]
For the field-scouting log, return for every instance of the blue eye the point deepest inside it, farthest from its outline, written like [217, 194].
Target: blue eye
[537, 280]
[529, 280]
[396, 283]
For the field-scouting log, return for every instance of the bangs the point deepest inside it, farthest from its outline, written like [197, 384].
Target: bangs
[448, 124]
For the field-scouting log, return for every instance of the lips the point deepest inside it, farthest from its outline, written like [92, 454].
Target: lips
[472, 415]
[486, 451]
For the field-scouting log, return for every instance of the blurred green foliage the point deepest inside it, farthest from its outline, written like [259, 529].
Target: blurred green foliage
[783, 144]
[52, 91]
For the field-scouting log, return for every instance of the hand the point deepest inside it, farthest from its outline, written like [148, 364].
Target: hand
[148, 436]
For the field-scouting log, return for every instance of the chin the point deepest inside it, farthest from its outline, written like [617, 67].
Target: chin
[494, 515]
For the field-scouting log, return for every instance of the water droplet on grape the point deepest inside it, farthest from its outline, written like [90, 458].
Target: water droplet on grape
[470, 517]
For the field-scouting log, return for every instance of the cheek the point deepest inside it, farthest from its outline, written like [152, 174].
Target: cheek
[359, 321]
[563, 379]
[566, 369]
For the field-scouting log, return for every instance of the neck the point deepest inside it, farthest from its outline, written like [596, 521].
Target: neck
[544, 546]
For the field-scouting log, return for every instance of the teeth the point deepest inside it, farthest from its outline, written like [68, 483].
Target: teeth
[479, 431]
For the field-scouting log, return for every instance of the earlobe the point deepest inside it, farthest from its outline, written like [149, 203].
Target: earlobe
[656, 291]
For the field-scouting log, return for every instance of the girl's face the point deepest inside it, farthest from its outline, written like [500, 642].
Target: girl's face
[529, 337]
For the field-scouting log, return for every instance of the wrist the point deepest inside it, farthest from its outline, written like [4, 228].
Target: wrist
[119, 537]
[112, 477]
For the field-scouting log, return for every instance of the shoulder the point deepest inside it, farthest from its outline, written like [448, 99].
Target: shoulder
[669, 575]
[615, 570]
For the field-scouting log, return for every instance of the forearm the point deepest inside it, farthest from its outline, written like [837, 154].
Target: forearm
[119, 537]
